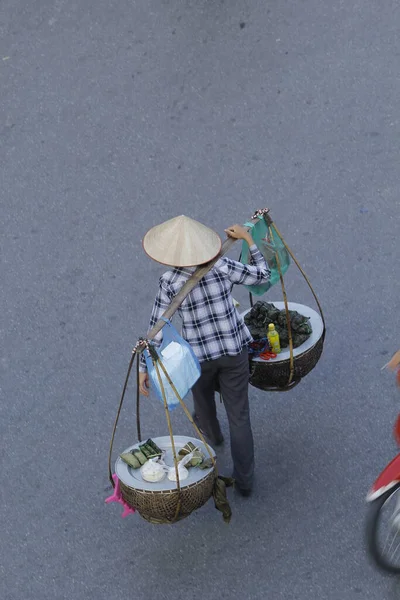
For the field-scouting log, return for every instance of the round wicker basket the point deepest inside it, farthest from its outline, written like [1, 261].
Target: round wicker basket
[159, 507]
[274, 374]
[158, 502]
[265, 376]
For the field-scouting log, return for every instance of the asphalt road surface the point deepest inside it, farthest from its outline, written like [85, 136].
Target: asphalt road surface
[115, 116]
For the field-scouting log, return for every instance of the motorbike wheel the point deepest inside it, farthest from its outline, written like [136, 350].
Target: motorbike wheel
[383, 531]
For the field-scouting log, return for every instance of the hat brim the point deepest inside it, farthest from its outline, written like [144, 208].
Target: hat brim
[168, 264]
[182, 242]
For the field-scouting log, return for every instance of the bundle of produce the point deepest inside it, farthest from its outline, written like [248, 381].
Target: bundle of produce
[197, 457]
[138, 456]
[264, 313]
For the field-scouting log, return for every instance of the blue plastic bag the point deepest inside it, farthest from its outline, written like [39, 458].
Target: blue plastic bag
[268, 244]
[180, 362]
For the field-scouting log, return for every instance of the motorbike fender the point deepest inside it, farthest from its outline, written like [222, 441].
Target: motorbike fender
[389, 477]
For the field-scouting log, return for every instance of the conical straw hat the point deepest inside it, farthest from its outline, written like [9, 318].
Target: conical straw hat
[182, 242]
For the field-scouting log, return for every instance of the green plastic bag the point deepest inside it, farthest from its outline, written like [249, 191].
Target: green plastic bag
[268, 245]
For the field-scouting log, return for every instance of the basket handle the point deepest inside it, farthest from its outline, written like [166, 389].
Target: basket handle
[269, 222]
[134, 353]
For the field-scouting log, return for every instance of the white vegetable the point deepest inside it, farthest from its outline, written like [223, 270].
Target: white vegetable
[152, 471]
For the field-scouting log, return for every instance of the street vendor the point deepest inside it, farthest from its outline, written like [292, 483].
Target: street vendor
[212, 326]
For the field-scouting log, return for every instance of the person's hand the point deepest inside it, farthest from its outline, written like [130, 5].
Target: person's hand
[144, 383]
[238, 232]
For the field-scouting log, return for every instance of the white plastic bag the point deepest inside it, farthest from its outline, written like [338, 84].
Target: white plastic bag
[180, 363]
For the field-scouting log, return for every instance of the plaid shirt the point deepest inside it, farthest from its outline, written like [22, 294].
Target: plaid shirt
[210, 322]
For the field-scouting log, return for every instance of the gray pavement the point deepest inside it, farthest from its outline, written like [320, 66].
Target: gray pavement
[113, 117]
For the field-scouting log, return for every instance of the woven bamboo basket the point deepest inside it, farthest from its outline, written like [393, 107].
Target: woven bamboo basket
[162, 502]
[274, 374]
[159, 507]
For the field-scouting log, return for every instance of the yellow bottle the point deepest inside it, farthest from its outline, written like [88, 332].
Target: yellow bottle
[273, 338]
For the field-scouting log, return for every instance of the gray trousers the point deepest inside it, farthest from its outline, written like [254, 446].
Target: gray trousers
[231, 374]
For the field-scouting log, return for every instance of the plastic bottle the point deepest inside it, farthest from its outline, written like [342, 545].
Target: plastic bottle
[273, 338]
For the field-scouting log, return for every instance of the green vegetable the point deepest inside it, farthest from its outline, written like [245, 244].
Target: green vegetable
[130, 460]
[150, 450]
[140, 456]
[145, 450]
[197, 459]
[206, 464]
[187, 449]
[154, 447]
[220, 499]
[263, 313]
[151, 453]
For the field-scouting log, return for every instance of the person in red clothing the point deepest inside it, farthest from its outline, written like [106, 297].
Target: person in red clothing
[393, 365]
[212, 326]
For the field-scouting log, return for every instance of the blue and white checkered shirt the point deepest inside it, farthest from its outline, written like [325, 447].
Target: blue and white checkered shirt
[210, 322]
